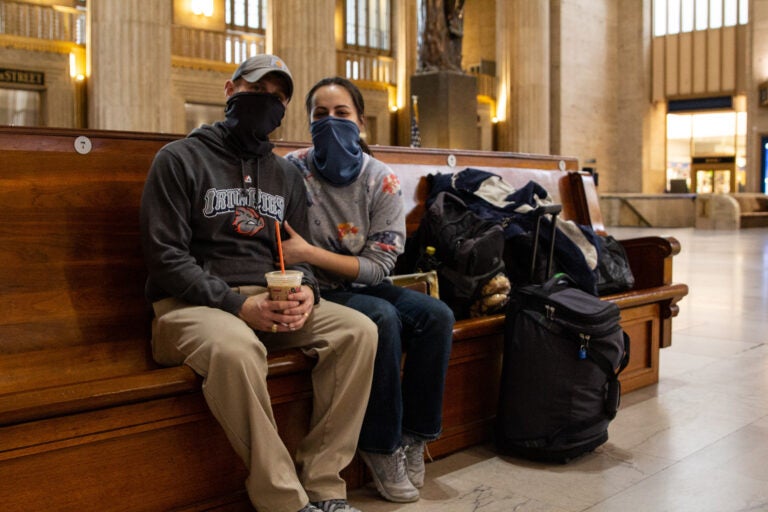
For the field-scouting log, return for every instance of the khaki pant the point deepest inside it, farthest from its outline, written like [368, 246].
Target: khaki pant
[232, 359]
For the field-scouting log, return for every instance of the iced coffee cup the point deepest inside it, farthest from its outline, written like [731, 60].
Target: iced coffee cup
[281, 284]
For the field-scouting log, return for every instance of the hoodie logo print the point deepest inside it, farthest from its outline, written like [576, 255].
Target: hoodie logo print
[247, 221]
[248, 208]
[228, 200]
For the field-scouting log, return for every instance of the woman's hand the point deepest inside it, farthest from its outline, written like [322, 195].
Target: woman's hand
[296, 249]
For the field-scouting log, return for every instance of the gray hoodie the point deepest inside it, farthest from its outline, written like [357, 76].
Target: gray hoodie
[208, 219]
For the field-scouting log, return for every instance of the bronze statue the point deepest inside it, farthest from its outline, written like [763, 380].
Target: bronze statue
[440, 44]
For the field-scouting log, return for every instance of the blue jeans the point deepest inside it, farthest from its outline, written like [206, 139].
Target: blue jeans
[422, 327]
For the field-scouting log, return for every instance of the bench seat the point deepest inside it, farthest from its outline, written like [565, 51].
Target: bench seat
[86, 415]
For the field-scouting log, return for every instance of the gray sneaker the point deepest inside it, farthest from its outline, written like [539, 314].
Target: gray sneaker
[309, 508]
[333, 506]
[390, 476]
[414, 460]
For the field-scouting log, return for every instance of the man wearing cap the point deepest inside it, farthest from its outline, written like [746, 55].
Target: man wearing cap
[209, 212]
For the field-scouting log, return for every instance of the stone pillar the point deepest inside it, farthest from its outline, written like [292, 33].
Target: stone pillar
[523, 63]
[302, 34]
[640, 163]
[129, 65]
[447, 109]
[406, 16]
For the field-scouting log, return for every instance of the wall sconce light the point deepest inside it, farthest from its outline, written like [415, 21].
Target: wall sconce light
[501, 104]
[74, 68]
[202, 7]
[393, 109]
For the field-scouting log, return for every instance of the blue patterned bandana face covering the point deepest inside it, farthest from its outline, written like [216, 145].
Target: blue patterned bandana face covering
[337, 156]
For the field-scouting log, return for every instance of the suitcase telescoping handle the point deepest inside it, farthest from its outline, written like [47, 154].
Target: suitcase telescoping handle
[554, 210]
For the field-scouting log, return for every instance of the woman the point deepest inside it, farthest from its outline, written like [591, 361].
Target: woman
[357, 221]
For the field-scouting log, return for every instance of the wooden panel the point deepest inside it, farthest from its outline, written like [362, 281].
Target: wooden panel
[685, 64]
[475, 367]
[658, 69]
[742, 65]
[699, 85]
[671, 65]
[642, 326]
[144, 469]
[728, 56]
[71, 270]
[702, 62]
[714, 69]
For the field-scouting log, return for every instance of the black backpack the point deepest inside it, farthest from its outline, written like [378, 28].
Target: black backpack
[468, 249]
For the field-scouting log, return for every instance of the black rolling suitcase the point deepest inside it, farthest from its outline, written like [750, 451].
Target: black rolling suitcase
[563, 352]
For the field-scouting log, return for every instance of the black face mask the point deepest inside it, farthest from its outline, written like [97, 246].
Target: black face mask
[250, 118]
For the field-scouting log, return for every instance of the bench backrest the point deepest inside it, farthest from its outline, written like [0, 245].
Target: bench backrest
[71, 268]
[413, 165]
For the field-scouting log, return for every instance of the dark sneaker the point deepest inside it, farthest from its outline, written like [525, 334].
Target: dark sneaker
[414, 460]
[390, 476]
[334, 506]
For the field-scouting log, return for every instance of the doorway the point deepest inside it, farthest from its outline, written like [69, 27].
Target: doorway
[706, 146]
[714, 175]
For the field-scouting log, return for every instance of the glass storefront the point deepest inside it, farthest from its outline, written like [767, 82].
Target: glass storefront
[707, 151]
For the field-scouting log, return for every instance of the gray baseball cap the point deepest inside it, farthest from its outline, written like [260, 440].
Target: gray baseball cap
[255, 67]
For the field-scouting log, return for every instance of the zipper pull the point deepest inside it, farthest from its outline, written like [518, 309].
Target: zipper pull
[584, 345]
[549, 312]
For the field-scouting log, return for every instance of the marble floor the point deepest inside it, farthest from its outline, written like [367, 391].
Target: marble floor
[695, 442]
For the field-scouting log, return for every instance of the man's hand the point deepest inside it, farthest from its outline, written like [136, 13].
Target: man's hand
[264, 314]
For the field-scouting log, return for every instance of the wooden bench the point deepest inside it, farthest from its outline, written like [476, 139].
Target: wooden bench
[86, 416]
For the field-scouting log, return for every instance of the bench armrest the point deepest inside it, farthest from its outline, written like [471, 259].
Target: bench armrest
[650, 259]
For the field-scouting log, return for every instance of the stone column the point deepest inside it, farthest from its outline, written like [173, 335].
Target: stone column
[302, 34]
[640, 136]
[406, 19]
[129, 65]
[523, 62]
[447, 109]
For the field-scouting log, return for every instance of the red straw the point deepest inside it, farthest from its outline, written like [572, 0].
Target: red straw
[279, 246]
